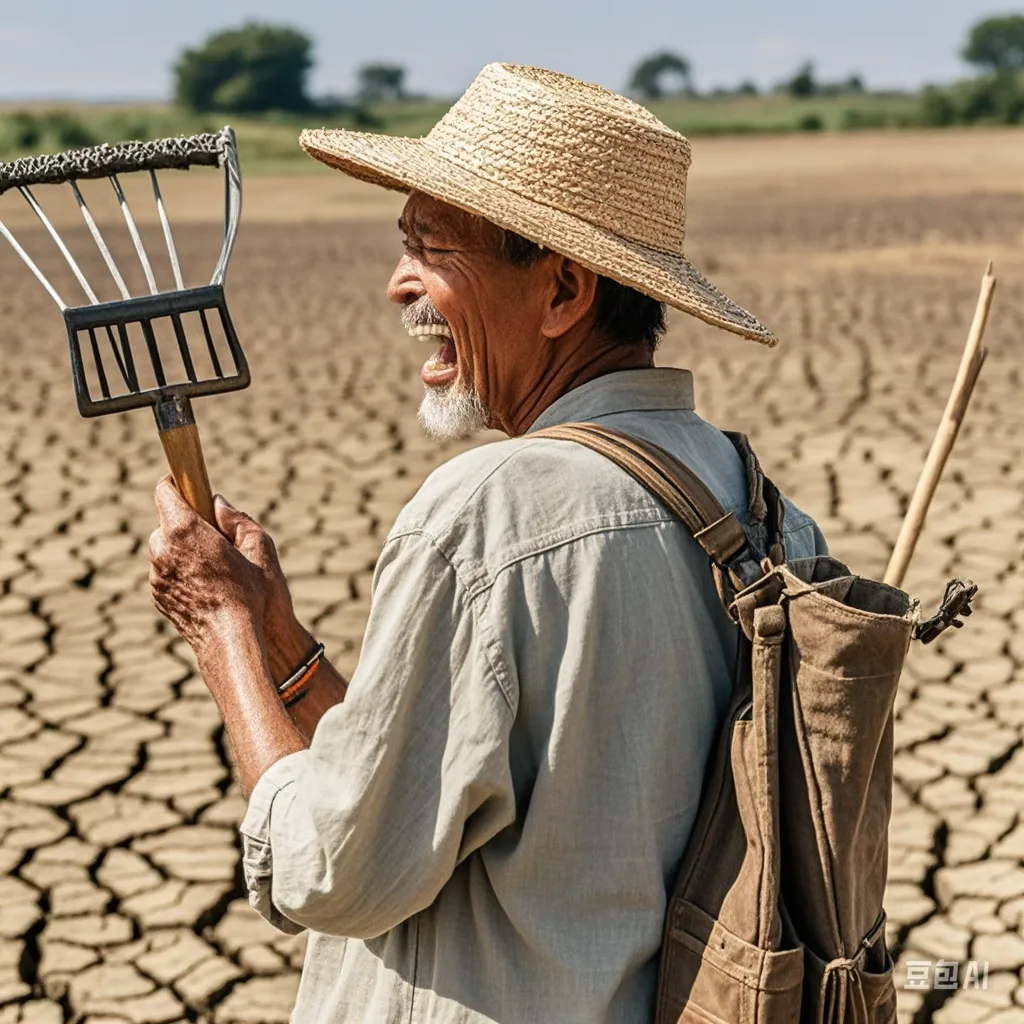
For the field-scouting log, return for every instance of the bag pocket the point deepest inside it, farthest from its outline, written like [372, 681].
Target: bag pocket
[710, 976]
[857, 991]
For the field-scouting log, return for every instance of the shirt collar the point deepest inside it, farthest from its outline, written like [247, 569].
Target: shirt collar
[624, 391]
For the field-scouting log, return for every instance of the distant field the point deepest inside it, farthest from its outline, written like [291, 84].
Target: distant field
[740, 115]
[269, 144]
[120, 894]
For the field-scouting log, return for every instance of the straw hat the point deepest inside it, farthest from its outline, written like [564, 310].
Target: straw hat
[572, 166]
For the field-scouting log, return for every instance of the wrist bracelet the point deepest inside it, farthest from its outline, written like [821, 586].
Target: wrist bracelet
[294, 686]
[295, 698]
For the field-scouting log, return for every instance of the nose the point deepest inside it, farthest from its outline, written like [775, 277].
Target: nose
[404, 286]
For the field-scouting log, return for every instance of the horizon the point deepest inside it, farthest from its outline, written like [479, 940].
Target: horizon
[114, 53]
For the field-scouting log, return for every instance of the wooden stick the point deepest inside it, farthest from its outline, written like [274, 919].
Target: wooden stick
[180, 439]
[185, 459]
[945, 437]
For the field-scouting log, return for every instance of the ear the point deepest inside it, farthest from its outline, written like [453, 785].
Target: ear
[573, 297]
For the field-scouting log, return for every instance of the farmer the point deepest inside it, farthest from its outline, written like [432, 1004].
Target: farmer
[481, 825]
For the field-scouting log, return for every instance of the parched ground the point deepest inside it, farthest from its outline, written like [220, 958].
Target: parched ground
[120, 895]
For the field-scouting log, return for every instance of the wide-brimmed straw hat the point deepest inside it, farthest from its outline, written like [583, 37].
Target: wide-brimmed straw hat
[571, 166]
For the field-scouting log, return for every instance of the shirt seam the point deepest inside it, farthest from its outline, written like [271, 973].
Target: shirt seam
[462, 504]
[619, 411]
[496, 670]
[436, 537]
[554, 539]
[556, 542]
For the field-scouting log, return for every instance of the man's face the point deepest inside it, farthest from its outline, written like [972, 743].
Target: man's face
[481, 316]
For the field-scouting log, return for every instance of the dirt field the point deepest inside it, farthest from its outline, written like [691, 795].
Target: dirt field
[120, 895]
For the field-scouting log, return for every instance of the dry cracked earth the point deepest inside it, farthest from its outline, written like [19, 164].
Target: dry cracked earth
[120, 892]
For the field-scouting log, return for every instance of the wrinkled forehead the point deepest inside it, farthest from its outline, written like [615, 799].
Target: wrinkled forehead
[424, 216]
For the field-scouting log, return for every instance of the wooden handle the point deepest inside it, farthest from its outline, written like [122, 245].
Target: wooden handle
[185, 457]
[945, 437]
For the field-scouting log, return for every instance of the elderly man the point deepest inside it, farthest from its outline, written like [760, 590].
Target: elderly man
[483, 823]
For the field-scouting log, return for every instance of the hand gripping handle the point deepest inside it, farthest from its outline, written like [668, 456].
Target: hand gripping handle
[180, 439]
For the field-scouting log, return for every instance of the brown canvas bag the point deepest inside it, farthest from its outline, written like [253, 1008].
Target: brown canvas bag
[776, 915]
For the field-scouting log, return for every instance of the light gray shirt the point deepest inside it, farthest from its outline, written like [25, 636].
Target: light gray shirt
[487, 827]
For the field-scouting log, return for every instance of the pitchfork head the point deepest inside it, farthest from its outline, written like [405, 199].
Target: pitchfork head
[194, 323]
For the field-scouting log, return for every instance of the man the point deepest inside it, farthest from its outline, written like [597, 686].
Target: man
[482, 825]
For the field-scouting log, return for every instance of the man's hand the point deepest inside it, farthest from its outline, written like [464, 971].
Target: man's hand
[200, 575]
[202, 582]
[226, 595]
[287, 643]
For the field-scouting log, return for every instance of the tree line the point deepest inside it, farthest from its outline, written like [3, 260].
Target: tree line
[259, 68]
[995, 46]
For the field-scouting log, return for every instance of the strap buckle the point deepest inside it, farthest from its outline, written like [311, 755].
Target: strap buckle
[723, 539]
[956, 605]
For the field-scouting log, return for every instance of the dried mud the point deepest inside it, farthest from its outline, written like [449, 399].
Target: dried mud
[120, 895]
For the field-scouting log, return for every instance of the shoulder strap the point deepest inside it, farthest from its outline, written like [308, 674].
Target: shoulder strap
[718, 532]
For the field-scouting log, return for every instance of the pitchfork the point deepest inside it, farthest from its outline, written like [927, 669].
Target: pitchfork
[98, 392]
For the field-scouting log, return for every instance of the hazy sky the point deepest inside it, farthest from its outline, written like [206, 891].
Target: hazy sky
[125, 48]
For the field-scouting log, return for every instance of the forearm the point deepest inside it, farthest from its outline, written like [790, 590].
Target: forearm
[259, 729]
[326, 688]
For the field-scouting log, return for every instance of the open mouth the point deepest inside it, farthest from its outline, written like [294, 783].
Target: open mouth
[442, 367]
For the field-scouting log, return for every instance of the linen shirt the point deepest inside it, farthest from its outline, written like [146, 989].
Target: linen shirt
[487, 828]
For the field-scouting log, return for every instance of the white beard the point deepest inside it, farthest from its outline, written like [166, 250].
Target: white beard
[452, 413]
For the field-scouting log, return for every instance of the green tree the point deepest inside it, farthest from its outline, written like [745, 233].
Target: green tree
[649, 76]
[803, 83]
[995, 99]
[938, 107]
[249, 70]
[67, 129]
[997, 44]
[380, 82]
[24, 130]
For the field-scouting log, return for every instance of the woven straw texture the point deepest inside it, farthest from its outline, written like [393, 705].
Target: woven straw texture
[572, 166]
[102, 161]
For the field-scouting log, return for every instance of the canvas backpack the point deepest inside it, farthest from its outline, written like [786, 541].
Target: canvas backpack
[776, 915]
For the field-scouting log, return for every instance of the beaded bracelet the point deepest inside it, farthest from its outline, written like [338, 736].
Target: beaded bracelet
[293, 689]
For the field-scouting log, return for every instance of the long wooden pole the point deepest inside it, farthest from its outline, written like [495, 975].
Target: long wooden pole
[945, 437]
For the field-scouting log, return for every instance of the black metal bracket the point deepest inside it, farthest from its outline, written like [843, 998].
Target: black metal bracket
[956, 605]
[82, 322]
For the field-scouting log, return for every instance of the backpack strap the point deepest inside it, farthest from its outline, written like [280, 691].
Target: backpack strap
[717, 531]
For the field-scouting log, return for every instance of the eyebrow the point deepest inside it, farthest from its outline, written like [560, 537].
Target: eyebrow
[418, 227]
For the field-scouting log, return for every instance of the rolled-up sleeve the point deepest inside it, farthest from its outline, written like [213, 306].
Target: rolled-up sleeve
[404, 779]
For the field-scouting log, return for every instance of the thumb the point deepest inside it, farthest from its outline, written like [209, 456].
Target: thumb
[240, 529]
[229, 519]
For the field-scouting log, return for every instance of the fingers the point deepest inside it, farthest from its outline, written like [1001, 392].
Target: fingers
[243, 531]
[174, 511]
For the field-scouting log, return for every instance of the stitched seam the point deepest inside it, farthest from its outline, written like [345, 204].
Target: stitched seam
[415, 969]
[815, 795]
[479, 620]
[469, 497]
[441, 532]
[672, 406]
[562, 542]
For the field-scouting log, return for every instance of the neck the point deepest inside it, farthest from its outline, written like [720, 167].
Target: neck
[588, 362]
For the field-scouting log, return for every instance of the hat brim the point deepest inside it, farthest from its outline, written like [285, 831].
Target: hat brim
[407, 165]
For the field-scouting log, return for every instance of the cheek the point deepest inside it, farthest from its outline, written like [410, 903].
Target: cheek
[456, 295]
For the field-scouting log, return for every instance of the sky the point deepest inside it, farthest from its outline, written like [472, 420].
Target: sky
[124, 49]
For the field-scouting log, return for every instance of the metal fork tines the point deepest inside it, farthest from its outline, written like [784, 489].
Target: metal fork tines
[148, 315]
[193, 323]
